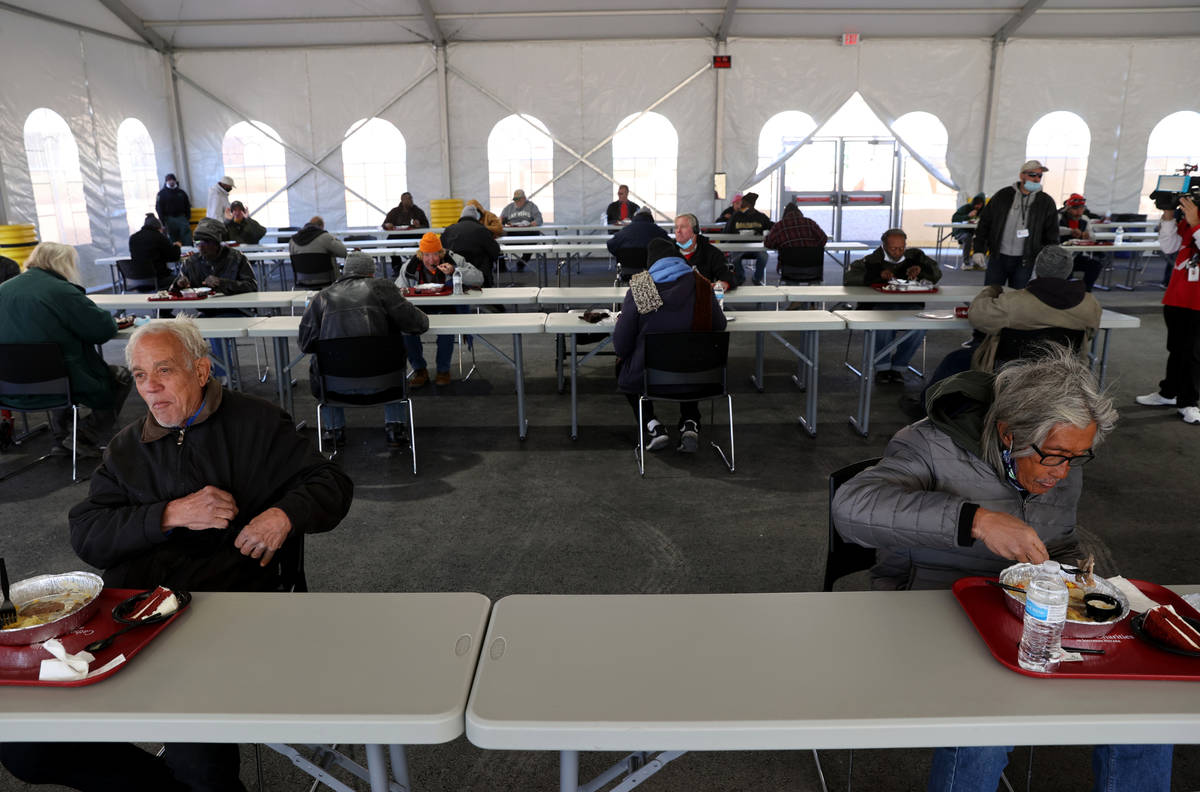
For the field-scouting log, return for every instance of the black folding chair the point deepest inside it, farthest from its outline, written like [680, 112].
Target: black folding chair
[685, 367]
[135, 278]
[38, 370]
[804, 264]
[313, 270]
[842, 557]
[1017, 344]
[377, 363]
[630, 261]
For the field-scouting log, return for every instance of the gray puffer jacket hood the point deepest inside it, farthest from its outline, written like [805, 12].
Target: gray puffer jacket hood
[910, 506]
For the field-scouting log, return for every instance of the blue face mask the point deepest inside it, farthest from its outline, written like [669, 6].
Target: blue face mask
[1031, 186]
[691, 243]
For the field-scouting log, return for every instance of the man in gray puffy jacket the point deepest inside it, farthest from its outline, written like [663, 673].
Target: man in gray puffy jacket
[989, 479]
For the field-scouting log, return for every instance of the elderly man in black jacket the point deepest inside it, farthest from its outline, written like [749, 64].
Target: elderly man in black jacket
[212, 490]
[151, 251]
[470, 239]
[355, 306]
[628, 246]
[1013, 227]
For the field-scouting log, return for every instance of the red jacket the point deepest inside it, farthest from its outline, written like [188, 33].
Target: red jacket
[1181, 292]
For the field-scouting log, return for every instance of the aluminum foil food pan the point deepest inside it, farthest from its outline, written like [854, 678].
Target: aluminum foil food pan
[29, 589]
[1074, 628]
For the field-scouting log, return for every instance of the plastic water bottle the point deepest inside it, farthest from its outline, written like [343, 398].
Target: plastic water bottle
[456, 279]
[1120, 235]
[719, 293]
[1045, 614]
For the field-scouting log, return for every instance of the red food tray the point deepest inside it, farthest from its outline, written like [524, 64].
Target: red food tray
[882, 287]
[442, 292]
[20, 665]
[178, 298]
[1126, 656]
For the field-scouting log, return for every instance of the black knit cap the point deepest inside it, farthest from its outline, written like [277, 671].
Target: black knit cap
[659, 249]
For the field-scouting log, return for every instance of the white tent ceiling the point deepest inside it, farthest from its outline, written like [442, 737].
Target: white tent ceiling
[197, 24]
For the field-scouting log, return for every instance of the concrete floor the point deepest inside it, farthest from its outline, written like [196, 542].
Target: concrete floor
[550, 515]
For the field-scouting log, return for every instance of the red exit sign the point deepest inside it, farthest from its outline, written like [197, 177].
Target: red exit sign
[849, 39]
[722, 61]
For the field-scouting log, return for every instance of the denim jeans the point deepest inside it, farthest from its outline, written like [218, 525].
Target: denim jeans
[445, 352]
[902, 354]
[760, 267]
[1128, 768]
[1008, 271]
[335, 417]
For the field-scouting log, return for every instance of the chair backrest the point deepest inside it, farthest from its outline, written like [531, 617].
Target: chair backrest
[358, 238]
[802, 263]
[285, 238]
[842, 557]
[1126, 217]
[631, 260]
[679, 365]
[34, 370]
[137, 278]
[314, 269]
[1015, 344]
[375, 363]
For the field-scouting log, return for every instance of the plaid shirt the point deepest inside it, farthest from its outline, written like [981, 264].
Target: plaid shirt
[795, 230]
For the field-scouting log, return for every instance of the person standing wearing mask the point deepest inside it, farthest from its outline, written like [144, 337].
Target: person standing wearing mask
[1014, 226]
[174, 209]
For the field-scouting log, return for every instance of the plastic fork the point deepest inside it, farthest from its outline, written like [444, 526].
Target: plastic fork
[8, 611]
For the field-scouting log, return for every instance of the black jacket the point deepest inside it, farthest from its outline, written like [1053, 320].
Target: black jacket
[172, 202]
[8, 268]
[247, 232]
[613, 212]
[1041, 220]
[230, 266]
[637, 234]
[240, 444]
[867, 271]
[749, 220]
[471, 240]
[150, 250]
[710, 262]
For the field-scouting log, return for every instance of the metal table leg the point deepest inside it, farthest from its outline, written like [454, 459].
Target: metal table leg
[377, 767]
[1103, 357]
[399, 765]
[519, 367]
[809, 419]
[759, 354]
[568, 771]
[866, 377]
[574, 388]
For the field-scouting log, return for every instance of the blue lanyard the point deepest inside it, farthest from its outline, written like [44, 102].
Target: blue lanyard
[188, 423]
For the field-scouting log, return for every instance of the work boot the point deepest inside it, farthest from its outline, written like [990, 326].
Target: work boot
[443, 378]
[420, 378]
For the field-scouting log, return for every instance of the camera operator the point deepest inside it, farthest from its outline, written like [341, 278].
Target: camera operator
[1180, 388]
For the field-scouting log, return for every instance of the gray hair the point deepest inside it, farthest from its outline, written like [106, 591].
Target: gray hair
[1035, 394]
[691, 218]
[185, 330]
[58, 258]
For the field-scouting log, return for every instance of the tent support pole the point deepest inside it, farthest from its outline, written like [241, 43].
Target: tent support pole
[719, 129]
[177, 128]
[444, 108]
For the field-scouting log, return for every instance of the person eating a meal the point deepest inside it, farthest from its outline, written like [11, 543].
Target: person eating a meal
[211, 490]
[434, 266]
[990, 478]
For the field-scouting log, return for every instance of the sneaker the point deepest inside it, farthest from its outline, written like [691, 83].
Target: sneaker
[1190, 414]
[334, 437]
[1155, 400]
[396, 438]
[689, 438]
[443, 378]
[887, 377]
[420, 378]
[658, 436]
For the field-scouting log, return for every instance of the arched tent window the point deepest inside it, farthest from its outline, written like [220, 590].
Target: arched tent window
[57, 181]
[645, 155]
[1172, 143]
[779, 134]
[375, 165]
[139, 171]
[521, 157]
[923, 197]
[253, 156]
[1060, 141]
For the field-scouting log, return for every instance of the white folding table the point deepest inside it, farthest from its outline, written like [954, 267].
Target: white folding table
[374, 669]
[1106, 250]
[739, 672]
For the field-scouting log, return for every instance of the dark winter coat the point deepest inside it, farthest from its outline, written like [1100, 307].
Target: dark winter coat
[710, 262]
[172, 202]
[1041, 220]
[471, 240]
[637, 234]
[150, 250]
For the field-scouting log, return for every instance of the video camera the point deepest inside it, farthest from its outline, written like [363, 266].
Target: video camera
[1172, 187]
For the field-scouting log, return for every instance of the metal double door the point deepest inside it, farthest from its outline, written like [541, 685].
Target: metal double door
[850, 186]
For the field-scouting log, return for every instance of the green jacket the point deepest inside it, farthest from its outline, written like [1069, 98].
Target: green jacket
[39, 307]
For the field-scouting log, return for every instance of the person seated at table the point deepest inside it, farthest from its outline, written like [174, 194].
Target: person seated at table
[151, 251]
[434, 264]
[313, 238]
[1073, 224]
[753, 223]
[357, 305]
[968, 213]
[47, 305]
[241, 227]
[735, 206]
[405, 215]
[632, 239]
[521, 213]
[472, 240]
[232, 521]
[796, 232]
[669, 297]
[621, 210]
[893, 259]
[991, 478]
[703, 255]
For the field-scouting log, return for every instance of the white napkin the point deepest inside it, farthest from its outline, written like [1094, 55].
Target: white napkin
[1138, 601]
[67, 667]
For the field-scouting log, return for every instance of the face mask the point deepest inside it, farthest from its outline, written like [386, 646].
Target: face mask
[172, 185]
[1031, 186]
[691, 243]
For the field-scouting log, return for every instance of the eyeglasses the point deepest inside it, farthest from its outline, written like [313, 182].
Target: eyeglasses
[1054, 460]
[1032, 174]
